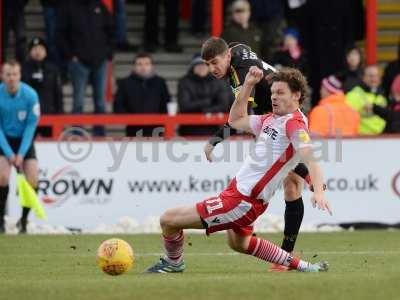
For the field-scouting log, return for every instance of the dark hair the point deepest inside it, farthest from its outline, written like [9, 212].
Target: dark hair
[213, 47]
[142, 55]
[294, 79]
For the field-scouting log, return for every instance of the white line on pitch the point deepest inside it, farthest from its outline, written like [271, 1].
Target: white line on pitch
[304, 252]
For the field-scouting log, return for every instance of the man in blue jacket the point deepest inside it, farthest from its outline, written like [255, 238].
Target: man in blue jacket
[19, 116]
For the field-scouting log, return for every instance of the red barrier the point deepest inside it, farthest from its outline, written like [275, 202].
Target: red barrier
[217, 17]
[170, 123]
[371, 31]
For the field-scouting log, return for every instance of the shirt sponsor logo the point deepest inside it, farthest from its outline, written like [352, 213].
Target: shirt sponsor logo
[271, 132]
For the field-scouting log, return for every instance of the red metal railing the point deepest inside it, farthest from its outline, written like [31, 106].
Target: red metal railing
[217, 17]
[170, 123]
[371, 31]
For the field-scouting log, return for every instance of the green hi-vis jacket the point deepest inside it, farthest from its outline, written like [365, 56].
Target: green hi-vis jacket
[369, 124]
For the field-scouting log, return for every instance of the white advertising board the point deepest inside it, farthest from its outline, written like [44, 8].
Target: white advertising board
[84, 184]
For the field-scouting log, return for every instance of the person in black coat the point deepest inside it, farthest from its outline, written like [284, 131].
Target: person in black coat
[327, 33]
[200, 92]
[44, 77]
[391, 71]
[142, 92]
[13, 19]
[391, 113]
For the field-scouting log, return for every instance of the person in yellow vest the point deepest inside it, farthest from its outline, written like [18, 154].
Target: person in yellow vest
[333, 116]
[369, 92]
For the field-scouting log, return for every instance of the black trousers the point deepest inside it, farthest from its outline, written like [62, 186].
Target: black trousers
[15, 22]
[151, 26]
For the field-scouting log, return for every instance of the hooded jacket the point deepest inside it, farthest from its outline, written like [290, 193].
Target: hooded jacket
[202, 95]
[334, 116]
[357, 98]
[44, 78]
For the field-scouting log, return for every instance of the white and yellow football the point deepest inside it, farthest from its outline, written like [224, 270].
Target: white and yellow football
[115, 257]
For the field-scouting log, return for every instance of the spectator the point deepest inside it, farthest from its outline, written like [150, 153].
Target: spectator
[333, 116]
[352, 74]
[85, 35]
[368, 92]
[45, 80]
[13, 19]
[200, 92]
[142, 92]
[151, 26]
[269, 18]
[294, 13]
[120, 27]
[391, 114]
[239, 29]
[291, 54]
[199, 18]
[327, 33]
[391, 71]
[49, 14]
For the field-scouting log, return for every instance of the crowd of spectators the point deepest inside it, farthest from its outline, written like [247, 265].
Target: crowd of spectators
[317, 37]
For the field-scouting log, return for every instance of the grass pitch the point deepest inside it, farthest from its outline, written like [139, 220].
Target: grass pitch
[364, 265]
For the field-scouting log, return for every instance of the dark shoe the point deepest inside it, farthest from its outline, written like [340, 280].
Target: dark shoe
[173, 48]
[126, 47]
[163, 266]
[22, 225]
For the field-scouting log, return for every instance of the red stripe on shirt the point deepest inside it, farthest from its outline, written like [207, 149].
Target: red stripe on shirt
[276, 167]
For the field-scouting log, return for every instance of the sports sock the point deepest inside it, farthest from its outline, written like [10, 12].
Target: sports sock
[173, 246]
[26, 210]
[269, 252]
[3, 201]
[294, 213]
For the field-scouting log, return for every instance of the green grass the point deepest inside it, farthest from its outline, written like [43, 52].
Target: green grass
[364, 265]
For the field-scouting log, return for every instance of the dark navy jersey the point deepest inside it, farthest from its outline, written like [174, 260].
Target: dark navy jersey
[242, 59]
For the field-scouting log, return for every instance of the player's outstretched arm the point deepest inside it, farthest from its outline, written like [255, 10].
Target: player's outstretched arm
[318, 199]
[238, 116]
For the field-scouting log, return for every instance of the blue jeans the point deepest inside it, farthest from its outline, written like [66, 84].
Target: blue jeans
[80, 74]
[120, 15]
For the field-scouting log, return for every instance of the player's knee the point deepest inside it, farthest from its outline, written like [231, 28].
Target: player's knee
[4, 179]
[237, 246]
[167, 220]
[33, 181]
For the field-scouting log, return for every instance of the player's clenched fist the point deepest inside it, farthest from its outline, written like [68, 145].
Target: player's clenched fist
[254, 75]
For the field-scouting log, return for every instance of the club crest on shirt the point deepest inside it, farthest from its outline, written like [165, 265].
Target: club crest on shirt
[304, 137]
[22, 115]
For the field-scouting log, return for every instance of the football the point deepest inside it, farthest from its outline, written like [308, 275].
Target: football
[115, 257]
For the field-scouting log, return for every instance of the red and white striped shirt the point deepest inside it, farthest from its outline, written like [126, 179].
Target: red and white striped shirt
[274, 154]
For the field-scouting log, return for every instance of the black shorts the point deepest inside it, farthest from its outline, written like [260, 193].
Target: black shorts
[15, 143]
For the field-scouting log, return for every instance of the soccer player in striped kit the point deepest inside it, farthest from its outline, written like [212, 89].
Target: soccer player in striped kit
[233, 63]
[19, 116]
[282, 141]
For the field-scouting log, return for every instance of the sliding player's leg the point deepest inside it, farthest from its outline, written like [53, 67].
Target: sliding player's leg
[294, 211]
[244, 242]
[172, 222]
